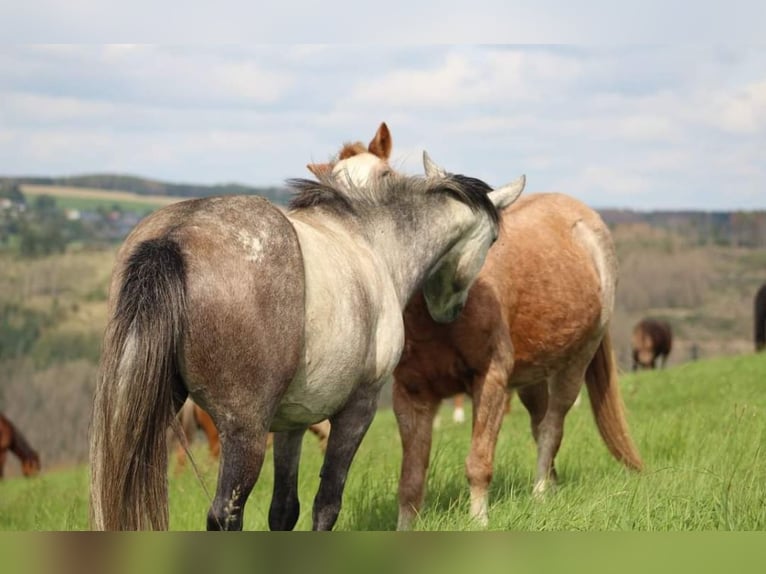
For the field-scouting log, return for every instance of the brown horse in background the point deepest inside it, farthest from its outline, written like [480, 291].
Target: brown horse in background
[12, 440]
[536, 321]
[652, 339]
[760, 319]
[193, 416]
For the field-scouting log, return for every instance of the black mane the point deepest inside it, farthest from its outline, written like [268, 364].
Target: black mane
[471, 191]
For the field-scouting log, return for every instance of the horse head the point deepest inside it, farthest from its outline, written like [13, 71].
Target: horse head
[446, 288]
[30, 466]
[356, 163]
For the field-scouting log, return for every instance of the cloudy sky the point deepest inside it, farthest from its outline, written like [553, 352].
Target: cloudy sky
[645, 127]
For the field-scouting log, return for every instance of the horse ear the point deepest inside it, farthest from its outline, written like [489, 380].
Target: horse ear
[319, 169]
[431, 169]
[506, 195]
[381, 144]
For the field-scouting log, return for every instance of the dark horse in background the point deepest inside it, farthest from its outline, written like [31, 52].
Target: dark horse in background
[760, 319]
[11, 439]
[652, 339]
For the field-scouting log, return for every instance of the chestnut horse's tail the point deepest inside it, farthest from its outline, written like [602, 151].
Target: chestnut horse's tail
[607, 405]
[137, 391]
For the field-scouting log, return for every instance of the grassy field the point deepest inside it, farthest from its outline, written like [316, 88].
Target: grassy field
[700, 428]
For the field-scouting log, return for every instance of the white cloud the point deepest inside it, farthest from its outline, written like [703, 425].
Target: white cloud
[644, 127]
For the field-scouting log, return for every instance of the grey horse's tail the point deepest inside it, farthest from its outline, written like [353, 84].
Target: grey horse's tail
[138, 388]
[606, 403]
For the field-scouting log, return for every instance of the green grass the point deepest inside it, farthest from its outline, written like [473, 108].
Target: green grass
[700, 428]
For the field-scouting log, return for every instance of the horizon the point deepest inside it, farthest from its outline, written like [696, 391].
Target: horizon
[680, 210]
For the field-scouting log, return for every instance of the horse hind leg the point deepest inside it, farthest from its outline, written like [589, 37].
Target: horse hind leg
[535, 399]
[563, 390]
[243, 448]
[242, 414]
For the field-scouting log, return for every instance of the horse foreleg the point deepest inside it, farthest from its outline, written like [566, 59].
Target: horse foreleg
[415, 418]
[489, 398]
[285, 506]
[348, 428]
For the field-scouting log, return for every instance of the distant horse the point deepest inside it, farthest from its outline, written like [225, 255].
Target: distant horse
[760, 319]
[652, 339]
[536, 321]
[192, 417]
[12, 440]
[273, 320]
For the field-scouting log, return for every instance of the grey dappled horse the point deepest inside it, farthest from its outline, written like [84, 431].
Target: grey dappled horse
[273, 320]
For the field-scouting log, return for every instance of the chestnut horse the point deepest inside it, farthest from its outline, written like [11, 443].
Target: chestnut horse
[12, 440]
[536, 321]
[652, 339]
[192, 417]
[760, 319]
[273, 320]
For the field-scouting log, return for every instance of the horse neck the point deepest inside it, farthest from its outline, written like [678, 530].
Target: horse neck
[410, 248]
[19, 445]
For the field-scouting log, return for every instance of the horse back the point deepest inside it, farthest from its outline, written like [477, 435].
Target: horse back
[545, 292]
[553, 270]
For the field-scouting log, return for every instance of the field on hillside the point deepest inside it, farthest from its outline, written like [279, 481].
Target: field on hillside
[700, 428]
[88, 199]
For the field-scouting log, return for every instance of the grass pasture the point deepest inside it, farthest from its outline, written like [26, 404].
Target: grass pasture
[82, 198]
[700, 428]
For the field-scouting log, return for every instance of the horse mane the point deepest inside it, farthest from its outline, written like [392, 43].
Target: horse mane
[474, 193]
[309, 193]
[327, 193]
[351, 149]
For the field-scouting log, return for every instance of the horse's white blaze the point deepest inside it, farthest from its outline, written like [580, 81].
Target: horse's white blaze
[359, 170]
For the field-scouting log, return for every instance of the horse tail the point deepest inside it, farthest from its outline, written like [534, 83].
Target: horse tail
[608, 409]
[137, 391]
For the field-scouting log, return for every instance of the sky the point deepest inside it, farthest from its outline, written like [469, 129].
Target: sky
[641, 126]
